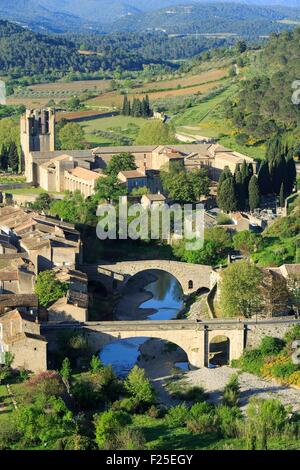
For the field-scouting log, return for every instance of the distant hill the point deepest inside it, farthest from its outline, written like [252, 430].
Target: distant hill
[235, 18]
[99, 15]
[263, 107]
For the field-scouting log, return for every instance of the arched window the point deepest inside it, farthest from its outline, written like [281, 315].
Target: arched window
[191, 285]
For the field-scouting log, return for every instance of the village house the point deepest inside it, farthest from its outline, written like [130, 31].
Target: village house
[20, 335]
[73, 307]
[47, 242]
[150, 201]
[133, 179]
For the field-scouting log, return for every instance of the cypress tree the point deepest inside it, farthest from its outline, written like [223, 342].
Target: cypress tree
[13, 157]
[254, 195]
[246, 175]
[227, 198]
[4, 157]
[240, 190]
[264, 178]
[282, 196]
[291, 175]
[226, 173]
[125, 106]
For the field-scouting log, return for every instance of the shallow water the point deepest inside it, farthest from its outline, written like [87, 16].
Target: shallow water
[167, 301]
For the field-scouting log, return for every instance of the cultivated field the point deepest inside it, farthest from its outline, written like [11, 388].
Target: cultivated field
[193, 84]
[39, 95]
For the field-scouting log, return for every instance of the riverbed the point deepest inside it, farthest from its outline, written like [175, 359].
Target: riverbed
[153, 295]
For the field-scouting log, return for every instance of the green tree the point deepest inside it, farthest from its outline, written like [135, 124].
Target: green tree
[264, 179]
[66, 373]
[240, 290]
[44, 421]
[254, 194]
[227, 195]
[109, 189]
[71, 137]
[200, 183]
[48, 288]
[240, 190]
[178, 186]
[42, 202]
[13, 157]
[155, 132]
[139, 386]
[121, 162]
[75, 209]
[96, 364]
[282, 195]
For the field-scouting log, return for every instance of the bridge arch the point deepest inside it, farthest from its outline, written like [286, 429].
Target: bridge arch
[192, 277]
[123, 354]
[219, 350]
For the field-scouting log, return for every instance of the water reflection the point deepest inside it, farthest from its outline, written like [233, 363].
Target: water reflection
[166, 297]
[167, 301]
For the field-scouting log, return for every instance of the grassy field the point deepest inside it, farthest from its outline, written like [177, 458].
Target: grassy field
[206, 119]
[114, 126]
[159, 436]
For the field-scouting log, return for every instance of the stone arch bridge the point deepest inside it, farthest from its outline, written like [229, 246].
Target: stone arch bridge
[193, 337]
[192, 277]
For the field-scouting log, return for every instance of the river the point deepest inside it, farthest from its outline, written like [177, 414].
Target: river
[165, 303]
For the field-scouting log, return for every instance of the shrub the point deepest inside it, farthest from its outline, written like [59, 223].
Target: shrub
[293, 334]
[229, 419]
[78, 442]
[154, 412]
[177, 416]
[205, 423]
[271, 346]
[252, 361]
[265, 418]
[224, 219]
[284, 370]
[108, 425]
[8, 434]
[49, 383]
[130, 439]
[231, 392]
[199, 409]
[130, 405]
[190, 394]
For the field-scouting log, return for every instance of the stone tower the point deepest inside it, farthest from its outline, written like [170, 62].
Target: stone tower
[37, 135]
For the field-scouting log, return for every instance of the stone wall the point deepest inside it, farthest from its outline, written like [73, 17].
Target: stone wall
[256, 332]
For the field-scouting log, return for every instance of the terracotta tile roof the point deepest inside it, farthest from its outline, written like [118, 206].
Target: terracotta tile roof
[18, 300]
[155, 197]
[85, 174]
[132, 174]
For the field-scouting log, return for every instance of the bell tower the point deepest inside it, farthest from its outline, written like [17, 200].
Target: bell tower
[37, 135]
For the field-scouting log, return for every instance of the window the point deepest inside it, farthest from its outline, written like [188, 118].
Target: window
[191, 285]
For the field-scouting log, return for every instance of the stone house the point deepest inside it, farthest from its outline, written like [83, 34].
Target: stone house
[20, 336]
[133, 179]
[149, 201]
